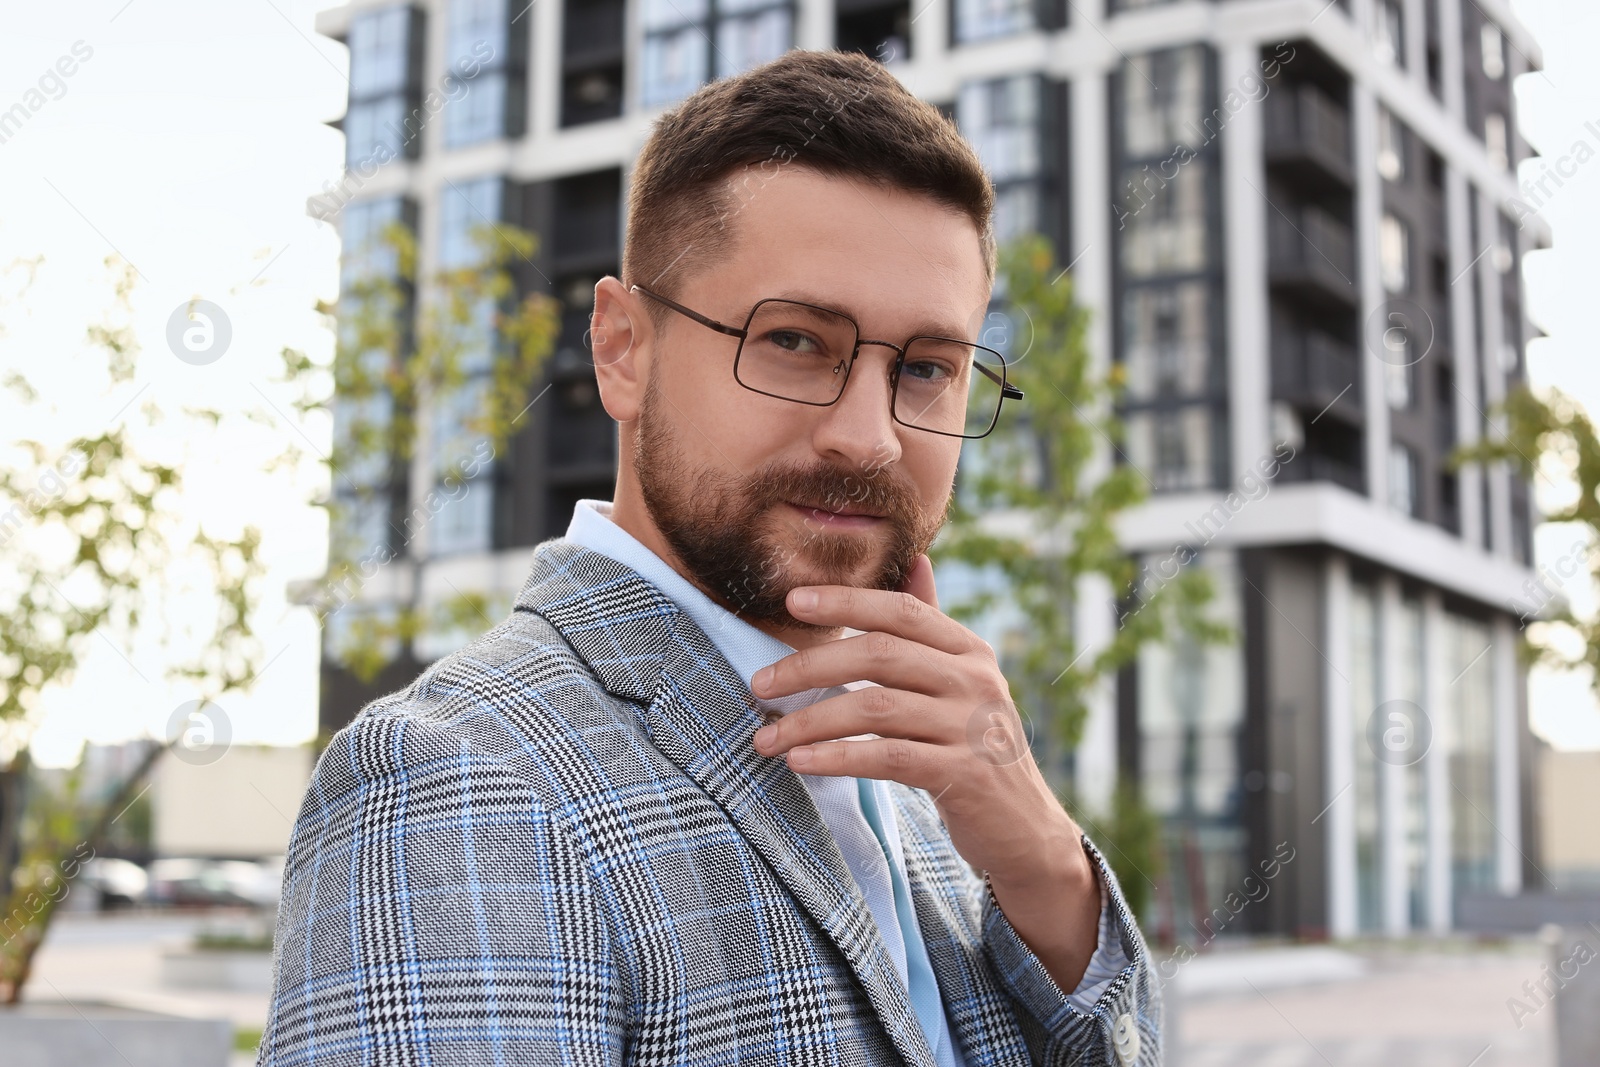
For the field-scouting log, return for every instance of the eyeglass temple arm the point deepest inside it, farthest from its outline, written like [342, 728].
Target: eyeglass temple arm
[1007, 390]
[710, 324]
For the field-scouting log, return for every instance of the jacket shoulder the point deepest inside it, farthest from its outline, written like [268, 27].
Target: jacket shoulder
[518, 696]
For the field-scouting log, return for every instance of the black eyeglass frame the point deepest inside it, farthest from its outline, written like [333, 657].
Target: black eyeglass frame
[1007, 390]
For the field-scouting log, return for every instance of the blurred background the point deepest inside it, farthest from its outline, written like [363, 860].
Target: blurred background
[292, 311]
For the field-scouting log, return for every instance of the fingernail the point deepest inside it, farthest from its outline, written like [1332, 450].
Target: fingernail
[765, 736]
[799, 757]
[805, 599]
[762, 678]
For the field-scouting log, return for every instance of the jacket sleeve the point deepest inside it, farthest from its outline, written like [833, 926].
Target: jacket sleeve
[434, 912]
[1124, 1027]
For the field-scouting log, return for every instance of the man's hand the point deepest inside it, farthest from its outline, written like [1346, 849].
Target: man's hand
[945, 723]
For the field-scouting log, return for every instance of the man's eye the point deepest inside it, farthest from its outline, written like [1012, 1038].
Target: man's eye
[927, 371]
[793, 341]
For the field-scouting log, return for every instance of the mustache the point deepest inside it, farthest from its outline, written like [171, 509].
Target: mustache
[833, 489]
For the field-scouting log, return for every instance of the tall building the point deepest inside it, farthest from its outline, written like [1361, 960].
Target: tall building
[1294, 222]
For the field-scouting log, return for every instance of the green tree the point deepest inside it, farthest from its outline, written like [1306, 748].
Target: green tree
[1047, 462]
[93, 531]
[1548, 436]
[403, 345]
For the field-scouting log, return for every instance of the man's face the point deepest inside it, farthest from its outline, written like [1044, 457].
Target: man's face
[731, 478]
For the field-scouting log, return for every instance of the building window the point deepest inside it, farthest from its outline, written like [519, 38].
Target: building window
[1394, 254]
[1163, 101]
[1175, 449]
[1168, 339]
[1495, 141]
[1190, 716]
[462, 471]
[1469, 744]
[1397, 385]
[593, 56]
[1388, 32]
[1164, 222]
[1402, 479]
[365, 493]
[1391, 146]
[1174, 410]
[1413, 688]
[676, 57]
[485, 54]
[1492, 44]
[1365, 659]
[979, 20]
[877, 28]
[1001, 119]
[383, 121]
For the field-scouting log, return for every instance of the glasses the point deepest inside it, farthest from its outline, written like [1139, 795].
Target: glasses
[801, 352]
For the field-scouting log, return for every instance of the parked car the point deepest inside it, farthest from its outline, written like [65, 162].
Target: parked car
[117, 883]
[187, 882]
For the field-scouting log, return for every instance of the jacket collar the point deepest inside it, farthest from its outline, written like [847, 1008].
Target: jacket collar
[701, 716]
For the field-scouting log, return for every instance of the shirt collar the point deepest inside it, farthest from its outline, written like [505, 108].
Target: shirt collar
[746, 648]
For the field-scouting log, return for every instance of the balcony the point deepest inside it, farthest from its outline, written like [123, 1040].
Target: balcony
[592, 34]
[1316, 372]
[591, 61]
[585, 230]
[1311, 253]
[1307, 137]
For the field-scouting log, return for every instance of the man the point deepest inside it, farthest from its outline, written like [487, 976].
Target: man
[727, 787]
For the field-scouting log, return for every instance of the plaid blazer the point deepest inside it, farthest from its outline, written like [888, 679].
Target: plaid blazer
[558, 845]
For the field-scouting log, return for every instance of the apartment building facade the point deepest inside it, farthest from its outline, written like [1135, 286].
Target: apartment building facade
[1296, 225]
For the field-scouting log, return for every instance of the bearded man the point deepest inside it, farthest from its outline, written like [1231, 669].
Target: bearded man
[727, 787]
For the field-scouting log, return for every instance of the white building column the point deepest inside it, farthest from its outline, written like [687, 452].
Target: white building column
[1090, 256]
[544, 69]
[1507, 750]
[1095, 762]
[1393, 900]
[1436, 764]
[1415, 18]
[1450, 61]
[1338, 817]
[814, 21]
[1245, 239]
[930, 23]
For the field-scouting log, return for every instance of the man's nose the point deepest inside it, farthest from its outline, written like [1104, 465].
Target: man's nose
[859, 425]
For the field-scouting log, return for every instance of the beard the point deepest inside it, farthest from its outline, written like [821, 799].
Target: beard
[738, 542]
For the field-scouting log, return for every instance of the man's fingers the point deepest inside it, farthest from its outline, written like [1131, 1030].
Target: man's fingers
[872, 710]
[877, 657]
[901, 613]
[919, 582]
[913, 763]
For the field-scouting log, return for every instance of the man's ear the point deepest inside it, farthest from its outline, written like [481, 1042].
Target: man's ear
[620, 337]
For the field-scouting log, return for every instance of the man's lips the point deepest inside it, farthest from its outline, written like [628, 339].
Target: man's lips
[845, 517]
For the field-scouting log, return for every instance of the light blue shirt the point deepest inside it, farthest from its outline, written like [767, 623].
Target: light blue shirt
[852, 808]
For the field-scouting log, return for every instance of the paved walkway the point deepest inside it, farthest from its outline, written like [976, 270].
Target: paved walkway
[1421, 1005]
[1439, 1004]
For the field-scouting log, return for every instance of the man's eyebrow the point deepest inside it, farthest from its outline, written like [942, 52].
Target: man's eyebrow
[926, 328]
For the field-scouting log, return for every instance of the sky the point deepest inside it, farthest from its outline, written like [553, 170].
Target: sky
[186, 140]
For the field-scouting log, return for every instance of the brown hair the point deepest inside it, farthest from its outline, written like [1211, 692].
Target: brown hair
[839, 113]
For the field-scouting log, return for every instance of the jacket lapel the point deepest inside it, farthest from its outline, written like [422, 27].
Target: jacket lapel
[700, 714]
[981, 1019]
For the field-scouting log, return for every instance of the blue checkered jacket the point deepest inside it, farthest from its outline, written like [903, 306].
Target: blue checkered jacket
[558, 846]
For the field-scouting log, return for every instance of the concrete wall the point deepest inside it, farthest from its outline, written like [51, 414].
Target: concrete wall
[1569, 797]
[243, 805]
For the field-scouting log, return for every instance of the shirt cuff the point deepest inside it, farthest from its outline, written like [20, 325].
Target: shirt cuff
[1108, 961]
[1024, 974]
